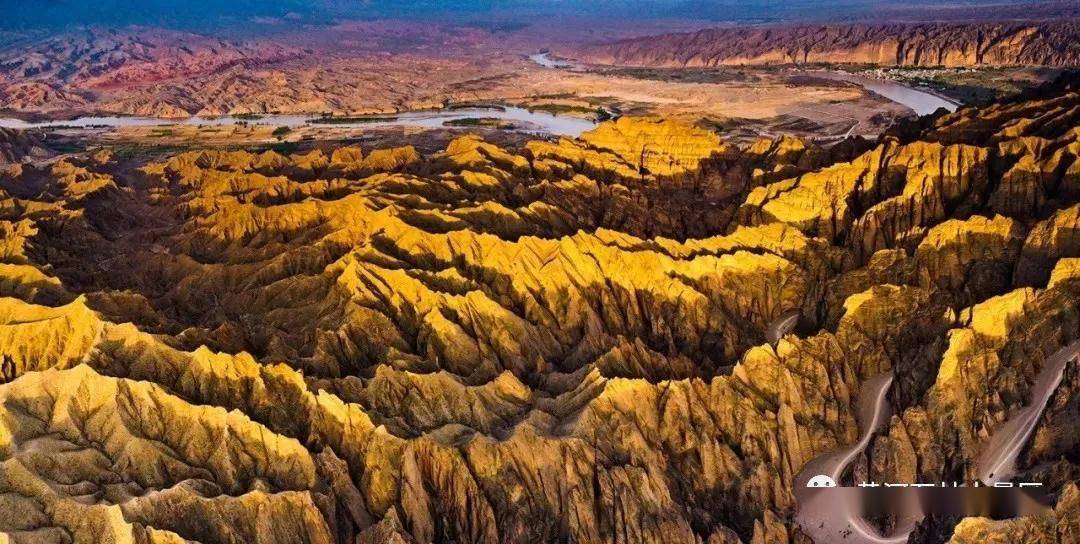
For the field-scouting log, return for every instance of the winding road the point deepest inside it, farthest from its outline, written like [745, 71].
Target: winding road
[781, 326]
[832, 515]
[998, 461]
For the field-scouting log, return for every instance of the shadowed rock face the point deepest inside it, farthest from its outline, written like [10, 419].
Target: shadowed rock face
[564, 342]
[927, 44]
[15, 146]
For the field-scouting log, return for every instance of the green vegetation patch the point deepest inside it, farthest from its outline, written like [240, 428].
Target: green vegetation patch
[559, 109]
[486, 122]
[331, 120]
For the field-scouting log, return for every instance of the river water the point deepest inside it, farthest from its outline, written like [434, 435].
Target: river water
[547, 61]
[921, 102]
[540, 122]
[528, 121]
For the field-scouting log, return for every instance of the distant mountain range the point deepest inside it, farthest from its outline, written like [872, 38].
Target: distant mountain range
[922, 44]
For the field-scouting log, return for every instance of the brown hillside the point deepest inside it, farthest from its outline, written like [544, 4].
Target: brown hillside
[926, 44]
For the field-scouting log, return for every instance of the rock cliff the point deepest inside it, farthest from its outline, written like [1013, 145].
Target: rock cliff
[916, 44]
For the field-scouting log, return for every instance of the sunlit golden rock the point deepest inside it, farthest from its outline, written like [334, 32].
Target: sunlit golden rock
[973, 259]
[1056, 237]
[565, 340]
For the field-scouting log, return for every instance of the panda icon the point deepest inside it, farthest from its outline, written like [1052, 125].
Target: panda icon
[821, 480]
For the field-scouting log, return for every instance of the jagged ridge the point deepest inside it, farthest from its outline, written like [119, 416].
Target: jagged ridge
[562, 342]
[923, 44]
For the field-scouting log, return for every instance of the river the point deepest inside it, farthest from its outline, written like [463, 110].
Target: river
[547, 61]
[529, 121]
[920, 101]
[539, 122]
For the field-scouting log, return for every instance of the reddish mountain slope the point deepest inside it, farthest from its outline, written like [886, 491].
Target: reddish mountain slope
[931, 44]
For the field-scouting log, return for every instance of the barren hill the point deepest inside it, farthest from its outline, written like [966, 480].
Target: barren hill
[16, 145]
[348, 68]
[564, 342]
[924, 44]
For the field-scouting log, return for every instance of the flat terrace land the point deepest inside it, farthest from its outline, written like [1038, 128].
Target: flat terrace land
[771, 101]
[970, 85]
[750, 102]
[387, 68]
[141, 143]
[743, 104]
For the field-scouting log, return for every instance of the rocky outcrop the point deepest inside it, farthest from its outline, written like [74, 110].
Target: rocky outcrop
[1062, 525]
[564, 342]
[925, 44]
[970, 259]
[1052, 239]
[17, 146]
[883, 199]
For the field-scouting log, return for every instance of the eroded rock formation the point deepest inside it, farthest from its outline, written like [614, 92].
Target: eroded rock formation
[17, 146]
[564, 342]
